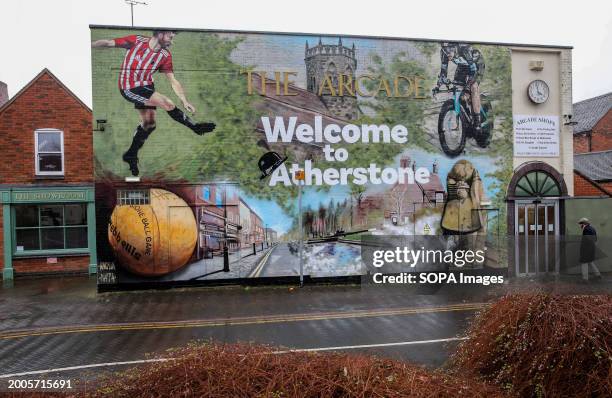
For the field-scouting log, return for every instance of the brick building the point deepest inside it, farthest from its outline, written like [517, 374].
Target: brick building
[593, 174]
[593, 129]
[593, 147]
[47, 218]
[218, 218]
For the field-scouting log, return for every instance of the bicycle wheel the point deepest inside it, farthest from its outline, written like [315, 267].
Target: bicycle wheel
[451, 130]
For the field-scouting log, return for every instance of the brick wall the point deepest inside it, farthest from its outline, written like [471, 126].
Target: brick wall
[606, 185]
[585, 187]
[45, 104]
[602, 134]
[581, 143]
[600, 137]
[39, 265]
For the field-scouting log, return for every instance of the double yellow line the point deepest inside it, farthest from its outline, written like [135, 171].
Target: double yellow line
[257, 270]
[238, 321]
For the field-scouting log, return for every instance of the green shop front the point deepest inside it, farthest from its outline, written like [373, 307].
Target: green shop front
[48, 230]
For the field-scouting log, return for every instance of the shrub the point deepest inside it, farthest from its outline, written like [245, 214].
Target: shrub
[542, 345]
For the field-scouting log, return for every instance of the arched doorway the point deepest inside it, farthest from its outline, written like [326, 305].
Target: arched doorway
[535, 198]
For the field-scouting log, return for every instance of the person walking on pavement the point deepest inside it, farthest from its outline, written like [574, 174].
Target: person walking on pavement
[587, 249]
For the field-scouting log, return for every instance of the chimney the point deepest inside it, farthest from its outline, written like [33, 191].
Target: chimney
[434, 167]
[405, 162]
[3, 93]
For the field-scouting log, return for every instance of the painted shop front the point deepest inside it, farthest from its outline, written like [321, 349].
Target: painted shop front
[326, 140]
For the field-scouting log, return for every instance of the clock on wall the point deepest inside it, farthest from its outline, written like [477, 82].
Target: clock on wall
[538, 91]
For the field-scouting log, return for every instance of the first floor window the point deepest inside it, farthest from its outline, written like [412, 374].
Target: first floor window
[50, 227]
[49, 152]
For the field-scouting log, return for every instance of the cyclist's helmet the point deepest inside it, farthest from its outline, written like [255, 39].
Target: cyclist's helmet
[447, 46]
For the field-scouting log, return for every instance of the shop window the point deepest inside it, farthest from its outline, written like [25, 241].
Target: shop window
[133, 197]
[50, 227]
[49, 145]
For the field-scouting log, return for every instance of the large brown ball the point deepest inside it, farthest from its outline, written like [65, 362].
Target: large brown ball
[154, 239]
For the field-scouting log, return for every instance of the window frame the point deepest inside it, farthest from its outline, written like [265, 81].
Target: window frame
[129, 197]
[219, 198]
[47, 252]
[36, 153]
[537, 188]
[206, 193]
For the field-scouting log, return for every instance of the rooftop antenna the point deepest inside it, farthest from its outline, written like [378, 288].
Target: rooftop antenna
[133, 3]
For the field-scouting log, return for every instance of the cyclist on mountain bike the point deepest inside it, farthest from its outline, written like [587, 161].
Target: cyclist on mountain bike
[469, 71]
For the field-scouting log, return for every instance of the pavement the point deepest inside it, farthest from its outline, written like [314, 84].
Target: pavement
[64, 328]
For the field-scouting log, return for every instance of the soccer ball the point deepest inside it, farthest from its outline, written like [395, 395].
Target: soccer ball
[153, 239]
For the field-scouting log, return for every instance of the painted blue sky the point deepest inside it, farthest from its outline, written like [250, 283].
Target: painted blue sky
[275, 217]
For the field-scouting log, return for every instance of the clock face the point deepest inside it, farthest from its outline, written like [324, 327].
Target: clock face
[538, 91]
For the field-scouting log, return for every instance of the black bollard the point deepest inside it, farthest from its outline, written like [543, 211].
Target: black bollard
[225, 259]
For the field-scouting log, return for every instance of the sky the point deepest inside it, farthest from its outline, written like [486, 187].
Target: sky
[55, 34]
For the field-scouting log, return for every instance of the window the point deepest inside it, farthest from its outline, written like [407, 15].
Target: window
[49, 145]
[218, 197]
[50, 227]
[537, 184]
[133, 197]
[206, 193]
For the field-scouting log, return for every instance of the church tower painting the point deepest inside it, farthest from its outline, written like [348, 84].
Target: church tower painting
[333, 60]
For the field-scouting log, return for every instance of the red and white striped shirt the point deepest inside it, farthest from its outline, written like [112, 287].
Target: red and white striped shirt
[141, 62]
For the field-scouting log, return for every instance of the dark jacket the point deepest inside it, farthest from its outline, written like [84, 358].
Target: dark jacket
[587, 244]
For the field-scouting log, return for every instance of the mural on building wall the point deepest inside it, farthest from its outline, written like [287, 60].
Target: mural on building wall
[385, 131]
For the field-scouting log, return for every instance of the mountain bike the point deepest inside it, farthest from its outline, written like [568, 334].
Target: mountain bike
[456, 119]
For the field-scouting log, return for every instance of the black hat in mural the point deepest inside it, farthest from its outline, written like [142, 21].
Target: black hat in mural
[269, 162]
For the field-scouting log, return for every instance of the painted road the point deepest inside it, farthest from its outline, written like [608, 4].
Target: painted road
[280, 261]
[320, 260]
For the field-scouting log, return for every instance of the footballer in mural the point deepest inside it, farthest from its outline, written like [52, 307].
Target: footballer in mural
[391, 137]
[145, 56]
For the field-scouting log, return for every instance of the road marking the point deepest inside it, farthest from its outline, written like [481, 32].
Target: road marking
[257, 270]
[352, 347]
[93, 365]
[316, 349]
[240, 321]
